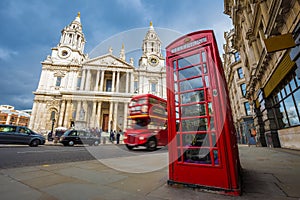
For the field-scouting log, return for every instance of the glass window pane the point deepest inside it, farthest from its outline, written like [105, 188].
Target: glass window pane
[212, 124]
[193, 110]
[206, 81]
[291, 111]
[283, 115]
[204, 68]
[196, 140]
[198, 124]
[297, 99]
[174, 64]
[190, 60]
[216, 157]
[283, 93]
[189, 72]
[191, 84]
[198, 155]
[297, 81]
[190, 97]
[210, 109]
[175, 75]
[293, 84]
[175, 87]
[247, 108]
[203, 53]
[287, 89]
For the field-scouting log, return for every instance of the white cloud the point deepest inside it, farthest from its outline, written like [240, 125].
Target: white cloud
[6, 54]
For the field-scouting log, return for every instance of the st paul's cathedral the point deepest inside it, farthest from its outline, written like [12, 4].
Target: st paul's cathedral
[77, 91]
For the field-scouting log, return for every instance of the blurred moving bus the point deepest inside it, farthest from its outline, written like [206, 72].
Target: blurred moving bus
[147, 122]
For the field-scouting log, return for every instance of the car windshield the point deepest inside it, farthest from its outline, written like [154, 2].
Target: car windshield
[67, 132]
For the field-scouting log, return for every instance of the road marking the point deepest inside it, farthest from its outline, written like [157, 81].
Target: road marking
[58, 151]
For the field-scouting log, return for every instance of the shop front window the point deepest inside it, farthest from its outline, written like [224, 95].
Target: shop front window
[288, 102]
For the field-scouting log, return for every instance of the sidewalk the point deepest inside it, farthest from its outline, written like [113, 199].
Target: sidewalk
[267, 174]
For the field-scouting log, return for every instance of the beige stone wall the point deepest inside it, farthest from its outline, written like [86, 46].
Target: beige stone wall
[290, 137]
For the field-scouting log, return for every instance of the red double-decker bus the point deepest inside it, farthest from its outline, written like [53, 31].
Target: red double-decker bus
[147, 122]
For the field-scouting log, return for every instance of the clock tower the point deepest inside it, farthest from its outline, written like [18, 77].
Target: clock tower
[71, 45]
[152, 58]
[150, 75]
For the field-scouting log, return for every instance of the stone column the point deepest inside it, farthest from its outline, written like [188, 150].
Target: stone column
[118, 81]
[33, 115]
[88, 80]
[102, 80]
[94, 114]
[110, 116]
[126, 84]
[97, 81]
[61, 113]
[78, 110]
[116, 115]
[264, 10]
[82, 80]
[67, 114]
[85, 108]
[98, 117]
[113, 81]
[131, 83]
[125, 115]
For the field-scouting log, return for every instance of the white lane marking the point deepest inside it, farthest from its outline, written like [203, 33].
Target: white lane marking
[58, 151]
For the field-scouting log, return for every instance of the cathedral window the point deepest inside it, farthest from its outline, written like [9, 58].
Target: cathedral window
[136, 86]
[153, 87]
[108, 85]
[58, 81]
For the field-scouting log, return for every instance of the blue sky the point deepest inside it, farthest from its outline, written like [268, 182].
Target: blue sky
[30, 28]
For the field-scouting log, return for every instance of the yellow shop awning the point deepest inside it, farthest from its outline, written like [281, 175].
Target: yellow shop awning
[282, 70]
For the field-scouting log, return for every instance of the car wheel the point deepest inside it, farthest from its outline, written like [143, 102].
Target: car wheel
[71, 143]
[96, 143]
[34, 143]
[129, 147]
[151, 144]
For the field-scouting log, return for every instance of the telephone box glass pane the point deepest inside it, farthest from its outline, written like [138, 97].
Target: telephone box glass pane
[175, 87]
[197, 155]
[214, 139]
[203, 53]
[191, 84]
[206, 81]
[204, 68]
[191, 97]
[175, 75]
[187, 61]
[212, 124]
[189, 72]
[197, 124]
[193, 110]
[174, 64]
[195, 140]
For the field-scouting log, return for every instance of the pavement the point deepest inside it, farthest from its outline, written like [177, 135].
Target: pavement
[268, 173]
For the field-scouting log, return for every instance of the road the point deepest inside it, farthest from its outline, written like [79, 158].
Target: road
[20, 156]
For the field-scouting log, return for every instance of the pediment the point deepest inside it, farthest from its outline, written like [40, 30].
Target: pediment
[108, 61]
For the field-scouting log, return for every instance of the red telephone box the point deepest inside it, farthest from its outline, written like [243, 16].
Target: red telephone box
[203, 150]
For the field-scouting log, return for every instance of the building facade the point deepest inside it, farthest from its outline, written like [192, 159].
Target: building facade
[8, 115]
[77, 91]
[237, 77]
[273, 85]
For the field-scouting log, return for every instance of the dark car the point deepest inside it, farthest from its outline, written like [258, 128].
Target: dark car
[11, 134]
[71, 137]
